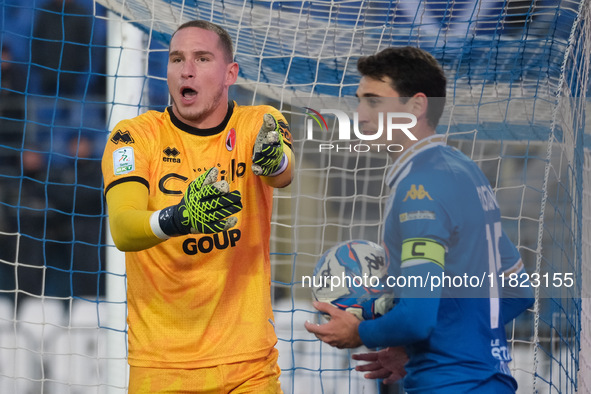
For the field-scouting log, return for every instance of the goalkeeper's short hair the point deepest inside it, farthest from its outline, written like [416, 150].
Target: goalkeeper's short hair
[225, 39]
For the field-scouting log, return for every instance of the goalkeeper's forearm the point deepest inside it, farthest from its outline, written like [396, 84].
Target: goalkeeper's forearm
[129, 218]
[283, 179]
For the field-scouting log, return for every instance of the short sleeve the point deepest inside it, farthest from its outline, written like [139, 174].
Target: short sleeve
[126, 156]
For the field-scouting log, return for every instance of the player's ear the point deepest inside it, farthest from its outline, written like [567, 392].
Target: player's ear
[418, 105]
[231, 73]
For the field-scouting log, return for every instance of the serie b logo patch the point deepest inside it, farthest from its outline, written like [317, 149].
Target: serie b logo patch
[231, 140]
[123, 161]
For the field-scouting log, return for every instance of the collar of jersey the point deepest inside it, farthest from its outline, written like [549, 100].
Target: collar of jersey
[406, 157]
[202, 132]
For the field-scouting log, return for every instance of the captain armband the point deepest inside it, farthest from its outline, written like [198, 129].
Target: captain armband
[417, 251]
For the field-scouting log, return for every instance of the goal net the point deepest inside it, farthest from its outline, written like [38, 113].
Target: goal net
[517, 76]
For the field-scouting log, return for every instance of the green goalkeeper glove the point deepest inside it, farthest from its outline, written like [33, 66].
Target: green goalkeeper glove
[267, 155]
[205, 208]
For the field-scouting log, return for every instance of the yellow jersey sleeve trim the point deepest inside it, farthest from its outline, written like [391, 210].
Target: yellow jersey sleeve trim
[129, 218]
[423, 250]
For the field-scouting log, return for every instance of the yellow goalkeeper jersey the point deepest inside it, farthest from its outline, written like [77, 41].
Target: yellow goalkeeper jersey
[197, 300]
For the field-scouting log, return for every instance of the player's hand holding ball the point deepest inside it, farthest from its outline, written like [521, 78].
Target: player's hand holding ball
[206, 208]
[268, 157]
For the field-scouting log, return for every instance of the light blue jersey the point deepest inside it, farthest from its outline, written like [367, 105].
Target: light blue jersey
[443, 228]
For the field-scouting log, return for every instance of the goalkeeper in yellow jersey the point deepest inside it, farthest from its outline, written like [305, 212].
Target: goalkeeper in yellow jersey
[189, 192]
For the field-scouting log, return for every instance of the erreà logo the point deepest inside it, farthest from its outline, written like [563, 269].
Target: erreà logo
[171, 152]
[171, 155]
[122, 136]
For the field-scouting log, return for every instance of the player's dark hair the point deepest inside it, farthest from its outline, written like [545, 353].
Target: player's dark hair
[412, 70]
[225, 39]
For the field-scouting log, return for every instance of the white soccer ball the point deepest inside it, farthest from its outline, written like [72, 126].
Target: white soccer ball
[352, 276]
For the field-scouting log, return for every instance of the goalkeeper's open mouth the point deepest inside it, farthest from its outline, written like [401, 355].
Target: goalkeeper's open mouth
[188, 94]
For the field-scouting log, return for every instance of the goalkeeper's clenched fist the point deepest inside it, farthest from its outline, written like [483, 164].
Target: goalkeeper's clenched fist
[268, 158]
[205, 208]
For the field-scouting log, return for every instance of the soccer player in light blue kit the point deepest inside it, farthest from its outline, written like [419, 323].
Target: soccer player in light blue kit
[442, 223]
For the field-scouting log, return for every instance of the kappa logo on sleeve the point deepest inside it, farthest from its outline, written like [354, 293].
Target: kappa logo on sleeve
[122, 136]
[415, 193]
[123, 161]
